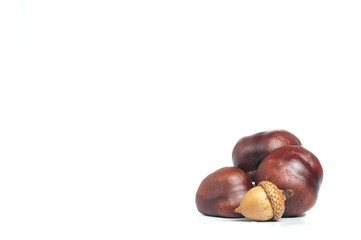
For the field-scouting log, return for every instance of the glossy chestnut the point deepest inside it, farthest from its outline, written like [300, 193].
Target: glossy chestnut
[249, 151]
[222, 191]
[296, 168]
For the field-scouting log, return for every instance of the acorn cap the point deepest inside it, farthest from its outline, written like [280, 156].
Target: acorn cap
[277, 198]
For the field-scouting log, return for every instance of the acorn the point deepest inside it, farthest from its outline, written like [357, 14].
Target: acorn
[264, 202]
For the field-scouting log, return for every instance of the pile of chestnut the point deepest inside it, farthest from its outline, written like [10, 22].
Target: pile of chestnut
[274, 156]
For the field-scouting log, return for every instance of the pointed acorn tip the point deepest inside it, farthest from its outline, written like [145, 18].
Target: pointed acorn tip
[236, 210]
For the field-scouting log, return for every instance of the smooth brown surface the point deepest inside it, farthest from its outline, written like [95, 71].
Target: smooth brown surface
[249, 151]
[222, 191]
[296, 168]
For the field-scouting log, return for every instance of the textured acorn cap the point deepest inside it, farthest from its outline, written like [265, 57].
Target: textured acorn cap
[276, 197]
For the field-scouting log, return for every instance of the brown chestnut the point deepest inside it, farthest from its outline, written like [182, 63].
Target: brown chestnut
[249, 151]
[296, 168]
[222, 191]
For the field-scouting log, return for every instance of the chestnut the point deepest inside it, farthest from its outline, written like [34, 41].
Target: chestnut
[222, 191]
[296, 168]
[249, 151]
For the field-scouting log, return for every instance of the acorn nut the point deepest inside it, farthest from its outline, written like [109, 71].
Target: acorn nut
[264, 202]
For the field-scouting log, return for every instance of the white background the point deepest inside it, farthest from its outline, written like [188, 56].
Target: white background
[113, 112]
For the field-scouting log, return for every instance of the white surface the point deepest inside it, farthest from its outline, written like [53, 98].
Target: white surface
[111, 114]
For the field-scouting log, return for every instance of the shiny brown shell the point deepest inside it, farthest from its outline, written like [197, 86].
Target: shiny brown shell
[296, 168]
[249, 151]
[222, 191]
